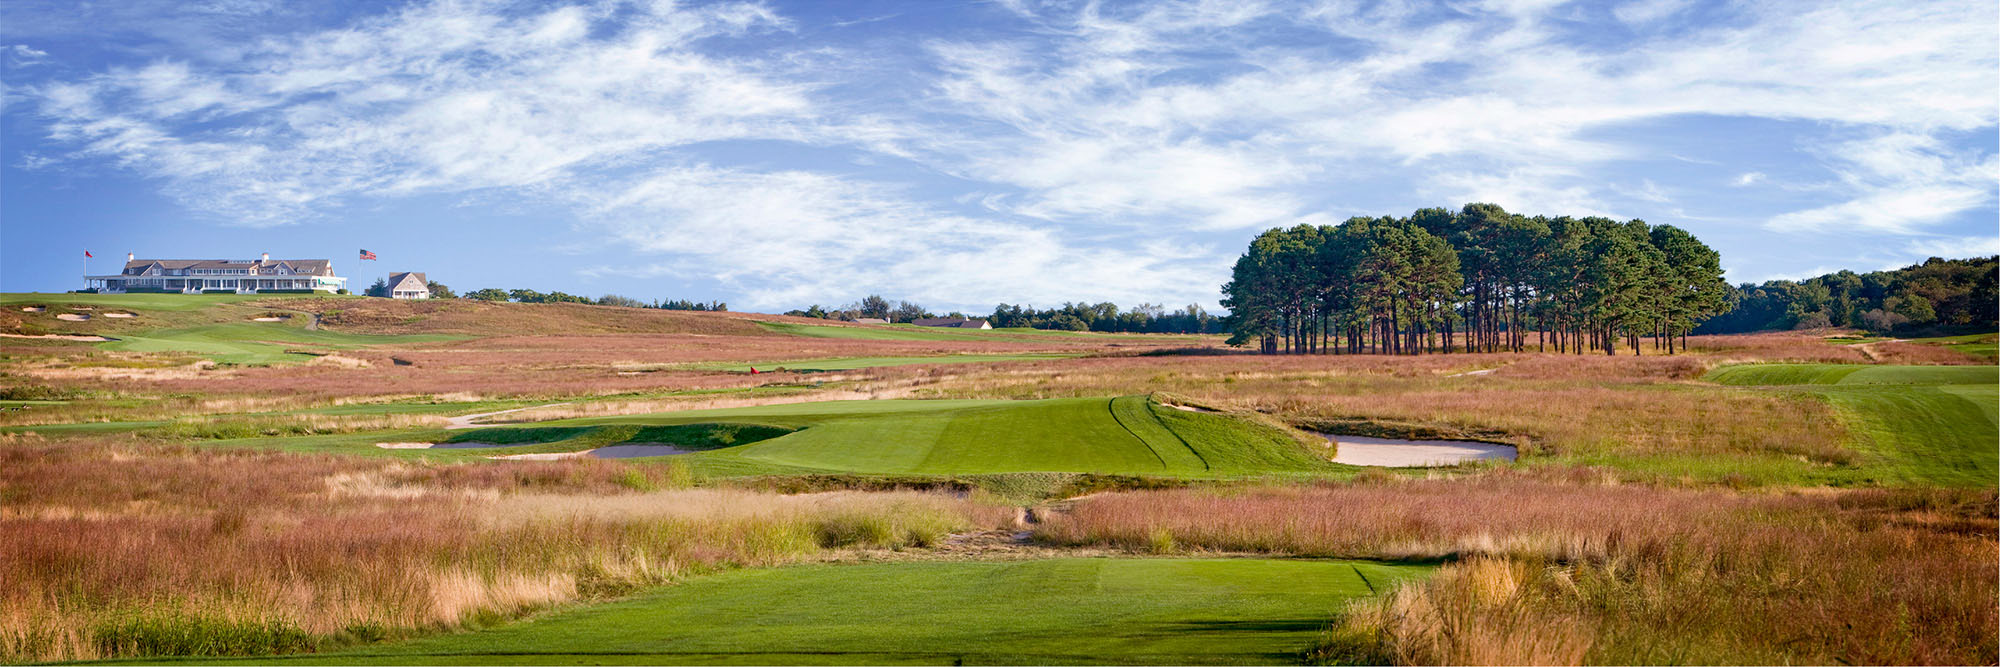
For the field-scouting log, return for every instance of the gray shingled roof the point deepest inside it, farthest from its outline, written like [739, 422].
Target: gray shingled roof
[401, 282]
[304, 267]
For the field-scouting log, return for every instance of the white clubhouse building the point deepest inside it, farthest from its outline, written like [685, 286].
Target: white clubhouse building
[241, 276]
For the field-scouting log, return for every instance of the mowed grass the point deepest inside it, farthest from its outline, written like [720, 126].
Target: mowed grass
[257, 343]
[1984, 345]
[1057, 611]
[1123, 435]
[176, 302]
[1913, 424]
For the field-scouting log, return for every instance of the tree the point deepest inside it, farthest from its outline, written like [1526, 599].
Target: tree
[380, 288]
[487, 294]
[439, 290]
[907, 312]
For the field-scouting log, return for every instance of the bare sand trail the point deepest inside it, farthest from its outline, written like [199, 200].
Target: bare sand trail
[75, 337]
[466, 421]
[1385, 452]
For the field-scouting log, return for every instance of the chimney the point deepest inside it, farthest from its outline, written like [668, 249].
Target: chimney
[128, 257]
[266, 257]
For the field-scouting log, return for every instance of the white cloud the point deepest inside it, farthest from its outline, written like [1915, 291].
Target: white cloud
[1748, 178]
[1898, 183]
[793, 237]
[1969, 246]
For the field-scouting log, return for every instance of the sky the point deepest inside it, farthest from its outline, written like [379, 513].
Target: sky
[961, 154]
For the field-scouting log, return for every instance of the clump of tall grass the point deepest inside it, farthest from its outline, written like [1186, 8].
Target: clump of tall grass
[229, 427]
[135, 551]
[1542, 570]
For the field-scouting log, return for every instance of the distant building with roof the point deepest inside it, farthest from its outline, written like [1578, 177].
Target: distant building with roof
[951, 323]
[409, 285]
[240, 276]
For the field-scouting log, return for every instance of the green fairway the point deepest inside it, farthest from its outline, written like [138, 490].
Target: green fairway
[1124, 435]
[1913, 424]
[1984, 345]
[852, 363]
[136, 301]
[1059, 611]
[256, 343]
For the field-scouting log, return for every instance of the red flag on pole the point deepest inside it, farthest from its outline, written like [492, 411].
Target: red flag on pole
[86, 253]
[753, 370]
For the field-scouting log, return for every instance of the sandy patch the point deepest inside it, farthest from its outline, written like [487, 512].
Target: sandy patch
[1187, 408]
[612, 452]
[1384, 452]
[32, 309]
[1483, 371]
[120, 315]
[73, 317]
[403, 445]
[339, 361]
[75, 337]
[267, 319]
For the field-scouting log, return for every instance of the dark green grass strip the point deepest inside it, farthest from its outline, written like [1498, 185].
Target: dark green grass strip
[1053, 611]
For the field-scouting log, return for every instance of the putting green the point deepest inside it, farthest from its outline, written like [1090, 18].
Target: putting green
[1059, 611]
[1124, 435]
[1912, 424]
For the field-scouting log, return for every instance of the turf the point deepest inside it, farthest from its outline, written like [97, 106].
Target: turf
[1912, 424]
[1125, 435]
[256, 343]
[1983, 345]
[1058, 611]
[140, 302]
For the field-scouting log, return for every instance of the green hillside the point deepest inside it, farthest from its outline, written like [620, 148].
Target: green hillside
[1124, 435]
[1912, 424]
[1058, 611]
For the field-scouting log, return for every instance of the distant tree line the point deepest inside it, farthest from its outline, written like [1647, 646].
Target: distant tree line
[1479, 279]
[1106, 316]
[1949, 293]
[532, 296]
[1143, 318]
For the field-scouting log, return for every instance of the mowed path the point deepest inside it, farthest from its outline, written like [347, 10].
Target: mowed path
[1913, 424]
[1058, 611]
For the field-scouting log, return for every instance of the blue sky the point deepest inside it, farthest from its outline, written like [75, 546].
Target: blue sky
[962, 154]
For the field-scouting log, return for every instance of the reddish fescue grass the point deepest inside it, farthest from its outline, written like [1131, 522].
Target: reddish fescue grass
[1546, 570]
[1547, 404]
[272, 552]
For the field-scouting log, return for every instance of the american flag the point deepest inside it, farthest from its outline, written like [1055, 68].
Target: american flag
[366, 255]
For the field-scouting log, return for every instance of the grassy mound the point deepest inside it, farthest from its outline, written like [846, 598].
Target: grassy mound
[1061, 611]
[1127, 435]
[1912, 424]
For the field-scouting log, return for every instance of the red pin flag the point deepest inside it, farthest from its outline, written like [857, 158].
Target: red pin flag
[86, 253]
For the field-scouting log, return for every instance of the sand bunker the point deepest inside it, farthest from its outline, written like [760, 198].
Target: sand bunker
[120, 315]
[1483, 371]
[1187, 408]
[75, 337]
[1363, 451]
[32, 309]
[269, 319]
[73, 317]
[612, 452]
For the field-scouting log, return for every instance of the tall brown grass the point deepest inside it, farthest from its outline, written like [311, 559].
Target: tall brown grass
[119, 551]
[1547, 570]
